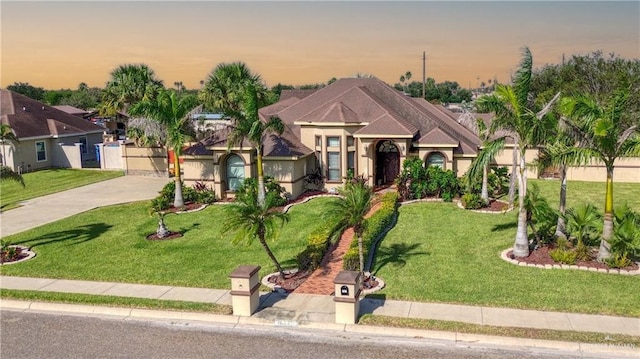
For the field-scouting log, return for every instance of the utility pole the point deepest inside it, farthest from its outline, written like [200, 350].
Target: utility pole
[424, 73]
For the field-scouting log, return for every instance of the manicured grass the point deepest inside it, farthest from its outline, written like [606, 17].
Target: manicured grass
[579, 192]
[45, 182]
[542, 334]
[108, 244]
[440, 253]
[114, 301]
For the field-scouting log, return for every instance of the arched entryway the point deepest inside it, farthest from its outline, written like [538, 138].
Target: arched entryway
[387, 162]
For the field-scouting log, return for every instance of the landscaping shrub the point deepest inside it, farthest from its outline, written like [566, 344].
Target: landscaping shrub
[318, 243]
[199, 193]
[563, 256]
[415, 181]
[472, 201]
[272, 189]
[374, 226]
[204, 194]
[625, 243]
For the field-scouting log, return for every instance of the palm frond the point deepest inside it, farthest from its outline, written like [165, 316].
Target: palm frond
[7, 174]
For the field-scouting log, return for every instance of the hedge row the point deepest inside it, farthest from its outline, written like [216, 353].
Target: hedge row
[374, 226]
[317, 245]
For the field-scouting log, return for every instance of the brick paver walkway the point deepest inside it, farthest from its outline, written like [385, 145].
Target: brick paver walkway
[321, 280]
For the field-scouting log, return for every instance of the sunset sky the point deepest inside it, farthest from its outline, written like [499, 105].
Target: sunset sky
[55, 45]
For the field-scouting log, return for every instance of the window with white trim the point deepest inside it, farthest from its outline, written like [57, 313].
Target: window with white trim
[333, 166]
[41, 151]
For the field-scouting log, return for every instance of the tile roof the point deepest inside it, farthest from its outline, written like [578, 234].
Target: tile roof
[438, 137]
[299, 94]
[71, 110]
[371, 100]
[30, 118]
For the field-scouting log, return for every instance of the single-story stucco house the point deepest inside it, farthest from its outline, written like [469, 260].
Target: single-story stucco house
[48, 137]
[355, 125]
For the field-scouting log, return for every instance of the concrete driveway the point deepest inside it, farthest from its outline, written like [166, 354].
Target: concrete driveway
[46, 209]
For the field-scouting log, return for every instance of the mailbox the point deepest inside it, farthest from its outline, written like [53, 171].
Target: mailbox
[347, 296]
[245, 284]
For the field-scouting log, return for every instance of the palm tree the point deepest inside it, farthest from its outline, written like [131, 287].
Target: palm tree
[7, 174]
[551, 155]
[7, 136]
[170, 124]
[606, 138]
[489, 150]
[250, 126]
[515, 113]
[350, 209]
[225, 87]
[129, 83]
[247, 220]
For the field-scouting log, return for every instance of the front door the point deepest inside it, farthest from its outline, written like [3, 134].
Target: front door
[387, 162]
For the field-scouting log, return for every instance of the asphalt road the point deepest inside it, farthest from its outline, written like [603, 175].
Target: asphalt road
[34, 335]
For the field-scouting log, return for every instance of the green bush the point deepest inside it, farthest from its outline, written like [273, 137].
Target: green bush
[563, 256]
[374, 226]
[472, 201]
[415, 181]
[272, 189]
[318, 243]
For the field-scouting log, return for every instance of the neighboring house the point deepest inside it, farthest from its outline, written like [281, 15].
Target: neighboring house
[48, 137]
[355, 125]
[74, 111]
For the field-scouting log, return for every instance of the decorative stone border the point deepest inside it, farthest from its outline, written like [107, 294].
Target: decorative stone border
[307, 199]
[26, 250]
[380, 286]
[274, 287]
[503, 255]
[193, 210]
[484, 211]
[421, 200]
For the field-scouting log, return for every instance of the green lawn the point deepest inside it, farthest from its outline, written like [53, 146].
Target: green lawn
[45, 182]
[437, 252]
[108, 244]
[579, 192]
[440, 253]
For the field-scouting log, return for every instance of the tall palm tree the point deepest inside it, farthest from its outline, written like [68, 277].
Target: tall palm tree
[225, 88]
[7, 136]
[249, 125]
[489, 150]
[350, 209]
[170, 113]
[552, 155]
[129, 83]
[247, 220]
[606, 138]
[515, 113]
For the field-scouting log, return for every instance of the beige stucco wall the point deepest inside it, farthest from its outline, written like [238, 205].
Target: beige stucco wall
[145, 160]
[66, 156]
[626, 170]
[505, 159]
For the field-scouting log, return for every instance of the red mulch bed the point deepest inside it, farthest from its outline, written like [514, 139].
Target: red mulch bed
[496, 206]
[18, 255]
[541, 256]
[291, 281]
[189, 206]
[172, 235]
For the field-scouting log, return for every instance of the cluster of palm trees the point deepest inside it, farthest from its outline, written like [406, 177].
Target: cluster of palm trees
[572, 130]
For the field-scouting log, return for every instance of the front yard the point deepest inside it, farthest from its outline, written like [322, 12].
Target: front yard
[437, 252]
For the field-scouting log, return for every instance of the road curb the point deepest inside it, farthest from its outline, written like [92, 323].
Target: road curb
[454, 338]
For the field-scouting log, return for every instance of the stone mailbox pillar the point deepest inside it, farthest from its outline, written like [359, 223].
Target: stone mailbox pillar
[245, 296]
[347, 297]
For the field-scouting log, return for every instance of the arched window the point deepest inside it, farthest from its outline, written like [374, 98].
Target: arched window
[235, 172]
[435, 159]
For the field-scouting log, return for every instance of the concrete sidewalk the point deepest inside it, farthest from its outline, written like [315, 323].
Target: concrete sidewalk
[307, 309]
[50, 208]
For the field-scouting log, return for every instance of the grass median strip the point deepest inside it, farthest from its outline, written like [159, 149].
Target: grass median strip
[114, 301]
[530, 333]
